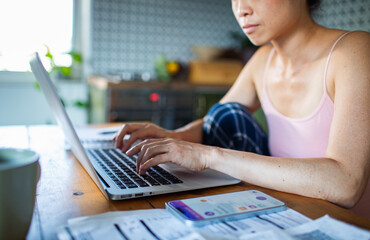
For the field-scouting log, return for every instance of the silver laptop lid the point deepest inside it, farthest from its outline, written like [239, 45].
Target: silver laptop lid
[61, 116]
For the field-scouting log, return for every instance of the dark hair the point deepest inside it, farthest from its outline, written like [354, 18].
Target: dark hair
[313, 5]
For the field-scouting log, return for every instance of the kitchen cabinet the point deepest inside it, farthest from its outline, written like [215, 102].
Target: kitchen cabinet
[169, 105]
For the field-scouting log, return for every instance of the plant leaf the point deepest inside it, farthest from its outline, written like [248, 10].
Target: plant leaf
[63, 102]
[65, 71]
[81, 104]
[37, 86]
[76, 56]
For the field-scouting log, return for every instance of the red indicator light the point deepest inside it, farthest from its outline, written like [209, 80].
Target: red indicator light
[154, 97]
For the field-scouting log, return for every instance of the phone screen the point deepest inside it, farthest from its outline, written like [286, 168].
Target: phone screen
[221, 205]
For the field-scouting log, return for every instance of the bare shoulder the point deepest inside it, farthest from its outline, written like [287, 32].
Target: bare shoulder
[264, 50]
[261, 55]
[351, 58]
[350, 72]
[354, 46]
[247, 86]
[356, 38]
[258, 62]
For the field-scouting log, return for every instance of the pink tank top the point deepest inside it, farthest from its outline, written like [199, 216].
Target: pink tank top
[299, 137]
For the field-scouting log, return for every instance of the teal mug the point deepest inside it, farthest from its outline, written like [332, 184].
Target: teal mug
[19, 174]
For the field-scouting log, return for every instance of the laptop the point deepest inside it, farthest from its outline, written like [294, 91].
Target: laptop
[113, 171]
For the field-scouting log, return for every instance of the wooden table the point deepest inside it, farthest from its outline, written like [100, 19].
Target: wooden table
[66, 191]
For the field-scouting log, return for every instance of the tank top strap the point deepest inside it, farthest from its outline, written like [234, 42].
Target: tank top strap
[328, 60]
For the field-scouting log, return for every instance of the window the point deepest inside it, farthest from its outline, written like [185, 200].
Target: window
[29, 26]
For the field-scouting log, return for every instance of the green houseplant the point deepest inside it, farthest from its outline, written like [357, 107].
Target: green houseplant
[66, 72]
[72, 72]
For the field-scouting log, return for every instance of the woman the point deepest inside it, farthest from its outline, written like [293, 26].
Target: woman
[313, 85]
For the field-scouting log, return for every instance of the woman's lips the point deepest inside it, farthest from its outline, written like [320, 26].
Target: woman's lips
[250, 28]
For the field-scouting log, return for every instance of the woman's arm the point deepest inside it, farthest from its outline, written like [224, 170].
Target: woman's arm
[349, 140]
[192, 132]
[322, 178]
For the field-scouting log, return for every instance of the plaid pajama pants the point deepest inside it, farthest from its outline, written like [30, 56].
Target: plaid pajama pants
[232, 126]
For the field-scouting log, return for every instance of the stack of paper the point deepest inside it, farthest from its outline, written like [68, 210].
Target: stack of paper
[160, 224]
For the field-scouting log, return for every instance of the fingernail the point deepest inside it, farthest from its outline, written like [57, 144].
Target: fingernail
[129, 152]
[141, 171]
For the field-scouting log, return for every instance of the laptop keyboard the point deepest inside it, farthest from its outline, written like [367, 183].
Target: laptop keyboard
[122, 170]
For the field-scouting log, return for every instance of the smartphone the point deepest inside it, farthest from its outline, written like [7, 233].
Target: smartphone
[224, 207]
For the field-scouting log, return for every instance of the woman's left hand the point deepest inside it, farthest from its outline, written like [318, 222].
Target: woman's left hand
[156, 151]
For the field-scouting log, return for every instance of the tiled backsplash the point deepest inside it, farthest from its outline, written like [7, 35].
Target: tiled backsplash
[345, 14]
[128, 35]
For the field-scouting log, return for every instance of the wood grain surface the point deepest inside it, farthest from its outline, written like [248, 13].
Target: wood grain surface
[66, 191]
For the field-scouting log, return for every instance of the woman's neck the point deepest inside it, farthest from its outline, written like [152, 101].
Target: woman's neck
[299, 45]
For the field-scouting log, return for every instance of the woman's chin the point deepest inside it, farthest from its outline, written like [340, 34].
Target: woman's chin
[257, 42]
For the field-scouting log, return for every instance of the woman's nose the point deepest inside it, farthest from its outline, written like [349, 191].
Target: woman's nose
[244, 8]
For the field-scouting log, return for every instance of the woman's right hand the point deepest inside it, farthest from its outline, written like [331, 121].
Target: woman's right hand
[139, 131]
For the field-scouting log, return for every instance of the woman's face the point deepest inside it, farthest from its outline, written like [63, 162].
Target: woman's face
[266, 20]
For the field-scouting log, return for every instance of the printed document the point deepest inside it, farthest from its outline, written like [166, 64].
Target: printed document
[160, 224]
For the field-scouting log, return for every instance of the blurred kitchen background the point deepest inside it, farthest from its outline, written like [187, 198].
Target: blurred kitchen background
[165, 61]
